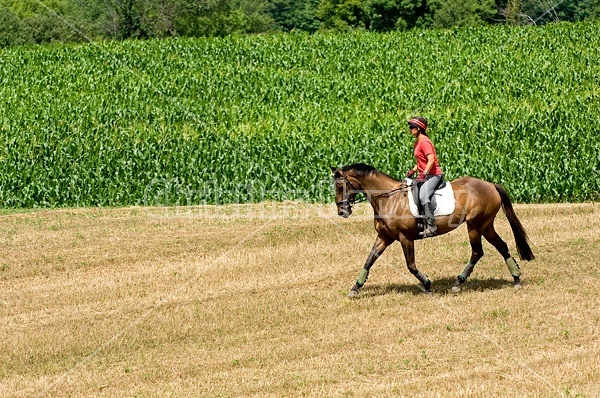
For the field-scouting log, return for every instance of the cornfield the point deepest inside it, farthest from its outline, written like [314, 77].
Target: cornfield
[251, 118]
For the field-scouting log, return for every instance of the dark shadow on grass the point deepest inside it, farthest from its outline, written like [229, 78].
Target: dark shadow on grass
[439, 287]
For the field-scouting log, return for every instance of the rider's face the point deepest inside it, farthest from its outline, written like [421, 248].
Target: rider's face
[414, 131]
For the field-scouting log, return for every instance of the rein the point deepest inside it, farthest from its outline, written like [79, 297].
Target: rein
[403, 189]
[347, 200]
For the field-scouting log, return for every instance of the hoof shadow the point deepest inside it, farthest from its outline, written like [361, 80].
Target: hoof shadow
[439, 287]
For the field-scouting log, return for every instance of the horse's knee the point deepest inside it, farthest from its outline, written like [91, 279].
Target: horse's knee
[503, 249]
[492, 236]
[476, 254]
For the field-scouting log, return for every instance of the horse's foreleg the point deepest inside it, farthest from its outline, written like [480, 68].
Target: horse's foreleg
[476, 254]
[378, 248]
[408, 246]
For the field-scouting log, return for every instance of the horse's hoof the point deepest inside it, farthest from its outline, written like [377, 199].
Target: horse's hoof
[353, 294]
[518, 285]
[456, 288]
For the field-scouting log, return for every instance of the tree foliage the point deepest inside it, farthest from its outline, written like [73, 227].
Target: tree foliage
[28, 21]
[462, 12]
[295, 14]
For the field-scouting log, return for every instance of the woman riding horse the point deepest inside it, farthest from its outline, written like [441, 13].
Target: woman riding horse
[428, 170]
[477, 204]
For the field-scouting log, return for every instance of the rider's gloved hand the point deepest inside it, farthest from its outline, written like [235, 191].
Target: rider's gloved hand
[409, 173]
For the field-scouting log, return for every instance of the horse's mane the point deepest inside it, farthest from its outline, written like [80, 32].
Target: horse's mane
[362, 169]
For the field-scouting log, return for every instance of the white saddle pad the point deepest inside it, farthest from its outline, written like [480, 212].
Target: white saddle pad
[443, 200]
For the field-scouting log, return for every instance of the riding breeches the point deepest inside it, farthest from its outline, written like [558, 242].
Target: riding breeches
[427, 189]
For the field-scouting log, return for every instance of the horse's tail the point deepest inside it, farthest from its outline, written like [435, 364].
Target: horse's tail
[521, 238]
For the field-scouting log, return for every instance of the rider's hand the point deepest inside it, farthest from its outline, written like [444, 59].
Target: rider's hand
[409, 173]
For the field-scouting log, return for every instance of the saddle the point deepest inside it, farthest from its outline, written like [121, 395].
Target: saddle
[442, 199]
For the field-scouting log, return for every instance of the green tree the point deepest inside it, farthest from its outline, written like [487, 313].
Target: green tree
[385, 15]
[296, 14]
[223, 17]
[41, 22]
[129, 19]
[462, 12]
[511, 11]
[535, 12]
[575, 10]
[341, 14]
[256, 15]
[93, 18]
[11, 28]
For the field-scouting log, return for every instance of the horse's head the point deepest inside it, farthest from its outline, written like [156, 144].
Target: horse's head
[346, 189]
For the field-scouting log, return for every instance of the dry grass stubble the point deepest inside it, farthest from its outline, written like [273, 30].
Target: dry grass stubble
[233, 302]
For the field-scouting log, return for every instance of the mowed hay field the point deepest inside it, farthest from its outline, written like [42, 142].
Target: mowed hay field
[251, 301]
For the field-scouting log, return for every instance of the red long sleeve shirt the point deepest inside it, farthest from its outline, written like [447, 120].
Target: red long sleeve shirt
[424, 147]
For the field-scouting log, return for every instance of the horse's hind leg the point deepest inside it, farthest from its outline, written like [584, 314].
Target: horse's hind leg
[476, 254]
[492, 236]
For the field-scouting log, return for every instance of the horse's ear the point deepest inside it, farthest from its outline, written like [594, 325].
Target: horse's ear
[333, 169]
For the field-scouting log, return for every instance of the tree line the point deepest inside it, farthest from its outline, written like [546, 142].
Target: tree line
[43, 21]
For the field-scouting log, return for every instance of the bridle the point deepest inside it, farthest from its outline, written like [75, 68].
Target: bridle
[347, 200]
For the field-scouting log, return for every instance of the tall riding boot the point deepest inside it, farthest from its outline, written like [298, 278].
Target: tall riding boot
[431, 228]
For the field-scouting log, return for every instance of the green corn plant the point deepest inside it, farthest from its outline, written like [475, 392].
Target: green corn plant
[250, 118]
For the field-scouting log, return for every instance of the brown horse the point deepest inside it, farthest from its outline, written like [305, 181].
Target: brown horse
[477, 203]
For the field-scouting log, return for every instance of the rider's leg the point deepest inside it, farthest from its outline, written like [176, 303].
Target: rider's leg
[425, 194]
[415, 192]
[429, 219]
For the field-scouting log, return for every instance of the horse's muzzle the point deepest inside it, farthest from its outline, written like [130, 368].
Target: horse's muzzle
[344, 207]
[344, 212]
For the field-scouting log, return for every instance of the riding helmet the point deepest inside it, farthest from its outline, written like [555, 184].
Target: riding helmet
[419, 122]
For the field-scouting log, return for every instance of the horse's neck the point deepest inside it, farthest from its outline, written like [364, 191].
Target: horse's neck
[377, 187]
[378, 183]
